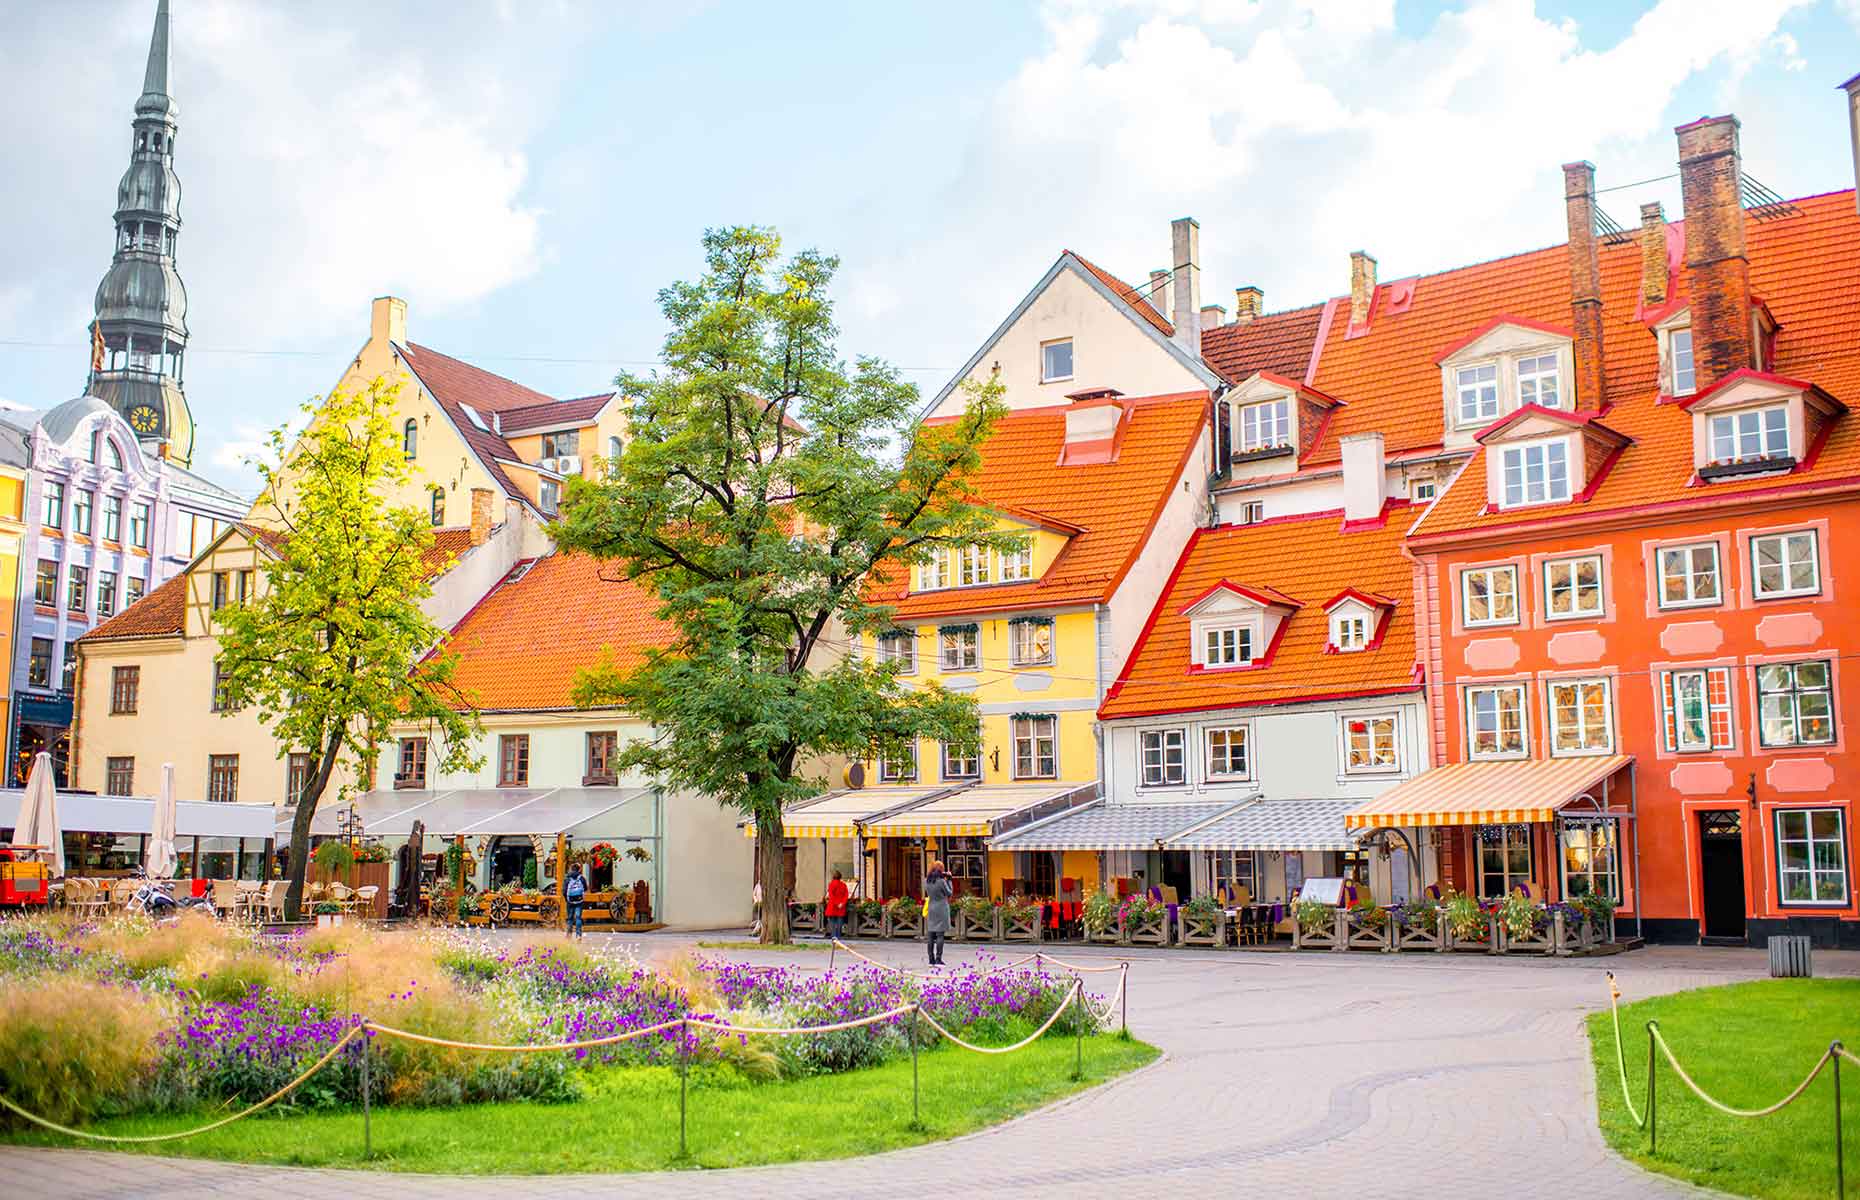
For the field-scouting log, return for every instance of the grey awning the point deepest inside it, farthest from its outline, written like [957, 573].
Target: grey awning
[562, 810]
[380, 811]
[1272, 825]
[1112, 826]
[489, 812]
[81, 812]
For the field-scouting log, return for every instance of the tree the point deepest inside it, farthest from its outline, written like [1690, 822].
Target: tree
[760, 498]
[334, 649]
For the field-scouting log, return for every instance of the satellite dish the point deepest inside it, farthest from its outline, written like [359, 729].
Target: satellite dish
[855, 775]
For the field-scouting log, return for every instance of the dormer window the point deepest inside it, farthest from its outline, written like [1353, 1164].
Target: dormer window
[1509, 363]
[1536, 472]
[1539, 381]
[1056, 360]
[1234, 625]
[1350, 632]
[1751, 422]
[1227, 645]
[1684, 376]
[1754, 434]
[1478, 387]
[1265, 426]
[1017, 565]
[1356, 617]
[972, 566]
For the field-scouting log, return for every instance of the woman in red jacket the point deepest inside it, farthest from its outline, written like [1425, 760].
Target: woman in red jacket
[836, 907]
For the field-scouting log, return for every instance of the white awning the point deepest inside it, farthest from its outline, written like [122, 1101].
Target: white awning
[480, 812]
[83, 812]
[1113, 826]
[840, 814]
[1272, 825]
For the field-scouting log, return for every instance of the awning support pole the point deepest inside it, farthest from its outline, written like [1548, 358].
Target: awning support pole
[561, 875]
[1640, 902]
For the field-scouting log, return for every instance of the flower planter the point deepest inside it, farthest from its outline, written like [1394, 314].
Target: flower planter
[978, 929]
[328, 920]
[1331, 936]
[1021, 925]
[1192, 930]
[1359, 934]
[906, 924]
[870, 925]
[803, 918]
[1110, 935]
[1484, 941]
[1419, 937]
[1153, 931]
[1573, 933]
[1539, 941]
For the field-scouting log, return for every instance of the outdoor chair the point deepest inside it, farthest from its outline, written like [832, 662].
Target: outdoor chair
[122, 892]
[341, 894]
[84, 897]
[364, 899]
[225, 898]
[270, 904]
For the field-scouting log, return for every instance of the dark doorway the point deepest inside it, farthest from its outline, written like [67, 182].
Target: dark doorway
[1721, 863]
[1176, 873]
[508, 860]
[903, 868]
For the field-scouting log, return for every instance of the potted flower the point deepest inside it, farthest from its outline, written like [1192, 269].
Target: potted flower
[1099, 915]
[978, 919]
[868, 918]
[1201, 922]
[334, 857]
[1526, 926]
[328, 913]
[1145, 921]
[1368, 925]
[1416, 924]
[601, 855]
[639, 854]
[372, 852]
[1314, 925]
[803, 916]
[1468, 925]
[1020, 919]
[904, 918]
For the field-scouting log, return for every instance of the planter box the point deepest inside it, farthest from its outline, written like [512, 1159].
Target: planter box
[1489, 944]
[1109, 936]
[860, 925]
[907, 925]
[1331, 937]
[1201, 931]
[328, 920]
[969, 929]
[1576, 935]
[1542, 941]
[803, 918]
[1148, 933]
[1405, 937]
[1359, 936]
[1022, 926]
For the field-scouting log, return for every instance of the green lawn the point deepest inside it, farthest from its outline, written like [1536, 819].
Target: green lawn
[777, 947]
[1747, 1044]
[629, 1119]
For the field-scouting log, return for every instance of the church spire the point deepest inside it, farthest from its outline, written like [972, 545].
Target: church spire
[141, 308]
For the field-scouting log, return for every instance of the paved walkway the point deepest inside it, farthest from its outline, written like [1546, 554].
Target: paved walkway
[1284, 1075]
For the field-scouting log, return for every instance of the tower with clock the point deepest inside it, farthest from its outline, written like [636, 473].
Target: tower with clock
[139, 336]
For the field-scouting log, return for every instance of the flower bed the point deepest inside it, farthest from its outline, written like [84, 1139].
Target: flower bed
[1201, 922]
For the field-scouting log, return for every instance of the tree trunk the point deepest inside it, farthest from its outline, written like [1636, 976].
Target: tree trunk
[774, 879]
[299, 864]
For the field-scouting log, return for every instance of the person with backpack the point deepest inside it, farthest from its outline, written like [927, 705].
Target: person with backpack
[574, 891]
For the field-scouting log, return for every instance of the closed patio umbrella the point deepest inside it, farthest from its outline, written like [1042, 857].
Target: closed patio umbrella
[38, 815]
[161, 856]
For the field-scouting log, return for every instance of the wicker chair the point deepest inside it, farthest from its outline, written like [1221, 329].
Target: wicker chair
[225, 898]
[364, 900]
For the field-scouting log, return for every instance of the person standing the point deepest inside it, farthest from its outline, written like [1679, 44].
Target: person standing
[837, 895]
[574, 891]
[938, 888]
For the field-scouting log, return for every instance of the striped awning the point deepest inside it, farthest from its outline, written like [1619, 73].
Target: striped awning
[841, 814]
[971, 812]
[1487, 793]
[1272, 825]
[1112, 826]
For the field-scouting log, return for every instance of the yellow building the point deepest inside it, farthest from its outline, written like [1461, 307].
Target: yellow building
[12, 538]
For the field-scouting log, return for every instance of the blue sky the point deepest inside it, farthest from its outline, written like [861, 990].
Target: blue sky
[528, 174]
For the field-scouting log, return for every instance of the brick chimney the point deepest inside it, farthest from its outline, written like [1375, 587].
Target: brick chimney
[1249, 302]
[387, 320]
[1158, 295]
[1185, 289]
[1852, 87]
[1585, 282]
[480, 516]
[1654, 285]
[1717, 271]
[1362, 286]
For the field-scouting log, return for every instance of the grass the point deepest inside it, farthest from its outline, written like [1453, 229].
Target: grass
[777, 947]
[1747, 1044]
[628, 1121]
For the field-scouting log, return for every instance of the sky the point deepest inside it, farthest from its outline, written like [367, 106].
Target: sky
[528, 174]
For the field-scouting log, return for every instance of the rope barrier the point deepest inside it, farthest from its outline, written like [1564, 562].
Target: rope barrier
[724, 1027]
[1078, 989]
[1614, 1006]
[493, 1047]
[1019, 962]
[1785, 1102]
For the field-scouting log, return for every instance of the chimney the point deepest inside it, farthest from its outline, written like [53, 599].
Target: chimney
[480, 516]
[1853, 129]
[1362, 286]
[1365, 476]
[1159, 291]
[1653, 281]
[1092, 423]
[387, 320]
[1185, 298]
[1213, 316]
[1717, 272]
[1248, 303]
[1585, 282]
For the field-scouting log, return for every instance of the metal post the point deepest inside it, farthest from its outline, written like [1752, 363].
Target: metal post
[1123, 995]
[1078, 1002]
[368, 1140]
[1653, 1096]
[833, 948]
[684, 1072]
[917, 1119]
[1840, 1165]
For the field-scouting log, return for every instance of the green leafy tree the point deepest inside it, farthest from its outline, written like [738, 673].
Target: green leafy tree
[761, 495]
[333, 649]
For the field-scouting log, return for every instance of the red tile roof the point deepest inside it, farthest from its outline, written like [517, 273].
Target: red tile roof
[455, 384]
[161, 613]
[1279, 343]
[556, 414]
[1310, 555]
[448, 545]
[522, 646]
[1114, 504]
[1131, 295]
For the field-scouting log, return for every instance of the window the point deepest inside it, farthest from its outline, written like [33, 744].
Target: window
[615, 448]
[1751, 435]
[1696, 709]
[603, 756]
[1489, 596]
[548, 495]
[411, 771]
[139, 525]
[80, 512]
[1573, 587]
[1422, 490]
[1795, 705]
[961, 647]
[1581, 719]
[1369, 744]
[77, 588]
[438, 508]
[1591, 857]
[1538, 381]
[106, 593]
[1495, 720]
[39, 663]
[1536, 473]
[1036, 741]
[410, 440]
[1164, 757]
[1478, 392]
[1504, 859]
[961, 764]
[972, 566]
[1055, 360]
[1231, 870]
[1017, 564]
[1685, 378]
[223, 778]
[562, 444]
[966, 859]
[1689, 575]
[899, 766]
[133, 588]
[1350, 631]
[297, 777]
[45, 583]
[119, 776]
[69, 682]
[125, 690]
[513, 760]
[1227, 645]
[1786, 564]
[933, 572]
[54, 515]
[1266, 426]
[245, 585]
[1252, 512]
[222, 586]
[1030, 641]
[112, 518]
[1811, 853]
[1227, 753]
[222, 690]
[899, 646]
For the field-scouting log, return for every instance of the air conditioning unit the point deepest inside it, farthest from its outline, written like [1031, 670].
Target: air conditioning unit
[563, 464]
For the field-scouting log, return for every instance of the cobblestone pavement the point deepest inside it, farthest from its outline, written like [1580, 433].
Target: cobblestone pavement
[1284, 1075]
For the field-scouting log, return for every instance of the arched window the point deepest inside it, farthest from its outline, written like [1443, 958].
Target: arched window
[112, 454]
[439, 506]
[410, 439]
[613, 455]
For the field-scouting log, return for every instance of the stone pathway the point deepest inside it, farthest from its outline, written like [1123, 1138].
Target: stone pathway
[1284, 1076]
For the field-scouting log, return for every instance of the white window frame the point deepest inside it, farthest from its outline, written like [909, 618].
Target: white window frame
[1420, 491]
[1263, 425]
[1026, 730]
[1252, 512]
[933, 574]
[973, 759]
[1371, 721]
[1532, 372]
[1795, 694]
[972, 566]
[1047, 374]
[1015, 631]
[1017, 565]
[890, 769]
[1515, 837]
[1227, 734]
[1491, 575]
[1553, 469]
[1162, 757]
[1809, 841]
[1498, 691]
[1785, 562]
[1586, 687]
[1571, 565]
[1349, 632]
[1245, 643]
[1684, 381]
[1771, 422]
[1689, 575]
[1673, 718]
[1480, 388]
[969, 639]
[899, 646]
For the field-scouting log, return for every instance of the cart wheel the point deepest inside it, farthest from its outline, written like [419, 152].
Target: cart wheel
[499, 909]
[547, 910]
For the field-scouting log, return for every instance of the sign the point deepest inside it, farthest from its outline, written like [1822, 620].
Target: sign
[42, 710]
[1324, 891]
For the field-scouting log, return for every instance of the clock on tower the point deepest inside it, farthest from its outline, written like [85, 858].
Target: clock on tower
[144, 419]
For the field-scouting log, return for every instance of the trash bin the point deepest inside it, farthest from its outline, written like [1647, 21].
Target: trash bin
[1789, 957]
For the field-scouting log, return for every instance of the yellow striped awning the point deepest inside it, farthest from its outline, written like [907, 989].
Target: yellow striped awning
[840, 814]
[971, 812]
[1487, 793]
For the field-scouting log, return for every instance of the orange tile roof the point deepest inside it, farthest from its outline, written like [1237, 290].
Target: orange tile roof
[1802, 268]
[161, 613]
[1132, 296]
[521, 647]
[448, 545]
[1114, 504]
[454, 383]
[1309, 556]
[1276, 342]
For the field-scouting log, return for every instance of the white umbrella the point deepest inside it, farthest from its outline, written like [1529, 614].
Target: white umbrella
[161, 857]
[38, 815]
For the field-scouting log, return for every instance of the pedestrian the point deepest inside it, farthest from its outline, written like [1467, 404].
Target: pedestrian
[574, 891]
[755, 910]
[836, 907]
[937, 891]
